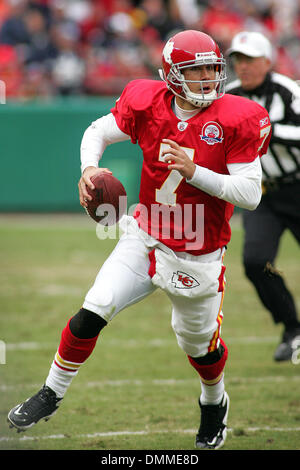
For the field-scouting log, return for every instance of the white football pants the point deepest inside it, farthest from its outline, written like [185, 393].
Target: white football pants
[124, 280]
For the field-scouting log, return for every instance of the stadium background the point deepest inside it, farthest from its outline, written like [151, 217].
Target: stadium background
[64, 62]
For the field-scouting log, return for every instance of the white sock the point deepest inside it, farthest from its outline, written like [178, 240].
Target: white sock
[212, 394]
[59, 380]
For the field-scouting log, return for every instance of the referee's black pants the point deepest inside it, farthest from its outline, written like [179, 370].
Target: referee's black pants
[278, 210]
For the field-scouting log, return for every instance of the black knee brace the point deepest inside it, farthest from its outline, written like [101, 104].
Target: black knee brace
[86, 324]
[211, 357]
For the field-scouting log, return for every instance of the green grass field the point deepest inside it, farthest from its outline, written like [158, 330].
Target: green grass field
[137, 390]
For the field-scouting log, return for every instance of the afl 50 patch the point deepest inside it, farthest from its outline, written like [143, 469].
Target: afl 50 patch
[212, 133]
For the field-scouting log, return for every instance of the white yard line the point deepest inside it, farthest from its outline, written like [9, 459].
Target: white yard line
[171, 382]
[134, 433]
[158, 342]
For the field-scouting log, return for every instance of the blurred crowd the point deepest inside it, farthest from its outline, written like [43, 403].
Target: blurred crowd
[94, 47]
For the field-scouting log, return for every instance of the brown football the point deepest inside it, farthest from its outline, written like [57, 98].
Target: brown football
[109, 201]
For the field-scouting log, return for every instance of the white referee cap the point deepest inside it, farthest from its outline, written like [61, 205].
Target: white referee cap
[252, 44]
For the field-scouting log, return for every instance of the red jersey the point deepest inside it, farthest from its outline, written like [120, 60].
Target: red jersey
[230, 130]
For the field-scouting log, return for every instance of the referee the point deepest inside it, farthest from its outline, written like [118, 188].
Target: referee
[279, 209]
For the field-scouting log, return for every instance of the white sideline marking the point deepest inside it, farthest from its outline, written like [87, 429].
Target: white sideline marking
[135, 433]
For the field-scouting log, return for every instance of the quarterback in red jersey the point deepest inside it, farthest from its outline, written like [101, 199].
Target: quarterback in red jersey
[226, 132]
[201, 157]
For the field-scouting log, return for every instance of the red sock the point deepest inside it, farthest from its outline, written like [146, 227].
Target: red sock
[72, 351]
[211, 374]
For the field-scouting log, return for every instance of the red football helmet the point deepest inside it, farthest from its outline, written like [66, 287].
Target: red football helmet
[187, 49]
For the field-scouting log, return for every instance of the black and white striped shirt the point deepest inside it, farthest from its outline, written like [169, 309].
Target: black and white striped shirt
[281, 97]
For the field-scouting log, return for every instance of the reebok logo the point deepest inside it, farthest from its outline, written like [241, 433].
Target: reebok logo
[183, 280]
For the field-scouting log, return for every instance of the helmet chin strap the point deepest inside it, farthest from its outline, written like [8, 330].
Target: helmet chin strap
[199, 100]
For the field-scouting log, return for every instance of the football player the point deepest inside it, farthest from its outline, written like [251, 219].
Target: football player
[201, 157]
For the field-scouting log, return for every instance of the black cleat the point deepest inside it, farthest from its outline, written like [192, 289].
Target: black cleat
[43, 405]
[286, 348]
[213, 428]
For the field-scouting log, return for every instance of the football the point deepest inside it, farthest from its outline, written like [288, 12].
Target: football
[109, 199]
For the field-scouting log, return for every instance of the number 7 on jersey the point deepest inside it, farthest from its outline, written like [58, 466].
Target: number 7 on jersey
[166, 194]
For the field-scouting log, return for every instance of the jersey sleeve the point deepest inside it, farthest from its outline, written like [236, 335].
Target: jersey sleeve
[249, 138]
[124, 113]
